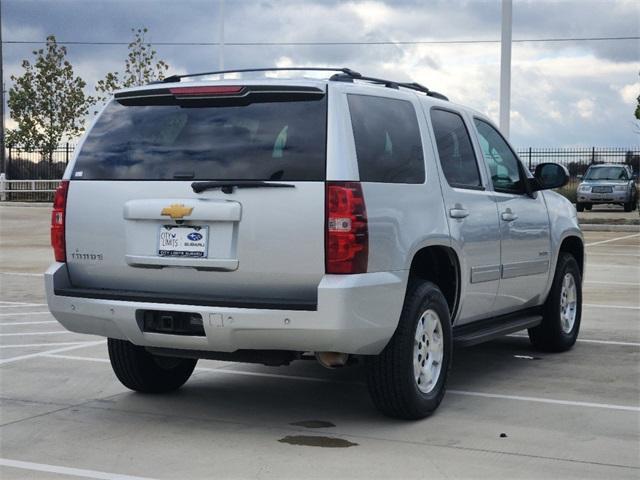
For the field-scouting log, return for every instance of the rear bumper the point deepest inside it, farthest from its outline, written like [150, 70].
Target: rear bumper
[355, 314]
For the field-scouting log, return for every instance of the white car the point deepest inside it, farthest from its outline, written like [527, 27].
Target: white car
[352, 218]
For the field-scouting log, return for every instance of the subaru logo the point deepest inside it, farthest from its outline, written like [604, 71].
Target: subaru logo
[194, 236]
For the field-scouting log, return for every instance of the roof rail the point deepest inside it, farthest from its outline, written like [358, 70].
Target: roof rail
[344, 75]
[389, 84]
[177, 78]
[412, 85]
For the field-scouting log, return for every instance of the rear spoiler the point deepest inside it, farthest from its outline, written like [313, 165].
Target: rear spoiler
[218, 94]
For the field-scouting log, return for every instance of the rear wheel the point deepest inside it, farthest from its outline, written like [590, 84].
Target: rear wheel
[580, 207]
[408, 378]
[141, 371]
[563, 309]
[588, 206]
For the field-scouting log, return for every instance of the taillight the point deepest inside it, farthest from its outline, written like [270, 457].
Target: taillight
[347, 233]
[214, 90]
[58, 220]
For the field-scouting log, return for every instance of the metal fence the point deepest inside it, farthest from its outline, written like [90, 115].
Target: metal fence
[32, 168]
[578, 160]
[37, 165]
[27, 190]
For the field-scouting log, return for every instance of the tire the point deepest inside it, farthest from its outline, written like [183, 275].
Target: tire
[588, 206]
[557, 333]
[143, 372]
[391, 375]
[629, 206]
[580, 207]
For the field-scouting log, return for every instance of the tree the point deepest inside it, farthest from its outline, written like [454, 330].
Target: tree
[47, 102]
[140, 67]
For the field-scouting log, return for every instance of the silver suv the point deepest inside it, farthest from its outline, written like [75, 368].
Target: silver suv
[352, 219]
[607, 183]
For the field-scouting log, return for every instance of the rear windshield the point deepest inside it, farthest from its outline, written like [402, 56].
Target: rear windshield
[607, 173]
[279, 140]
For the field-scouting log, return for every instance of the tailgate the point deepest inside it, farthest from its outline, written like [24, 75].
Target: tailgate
[135, 224]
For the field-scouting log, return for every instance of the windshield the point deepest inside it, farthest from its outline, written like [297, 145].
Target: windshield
[607, 173]
[272, 140]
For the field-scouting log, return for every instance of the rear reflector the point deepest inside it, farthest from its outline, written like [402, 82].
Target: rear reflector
[203, 91]
[347, 232]
[58, 221]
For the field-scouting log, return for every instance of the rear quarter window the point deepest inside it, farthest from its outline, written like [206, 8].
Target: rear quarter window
[387, 139]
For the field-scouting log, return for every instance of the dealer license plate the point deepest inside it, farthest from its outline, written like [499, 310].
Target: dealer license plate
[180, 241]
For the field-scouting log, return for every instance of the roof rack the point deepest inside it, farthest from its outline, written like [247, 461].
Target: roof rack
[177, 78]
[344, 75]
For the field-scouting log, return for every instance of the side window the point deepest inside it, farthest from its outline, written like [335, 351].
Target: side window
[454, 149]
[387, 139]
[502, 162]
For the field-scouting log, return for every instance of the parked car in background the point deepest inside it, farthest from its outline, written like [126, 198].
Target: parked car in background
[352, 218]
[607, 183]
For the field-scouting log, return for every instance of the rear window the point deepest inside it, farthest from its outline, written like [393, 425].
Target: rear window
[207, 140]
[387, 139]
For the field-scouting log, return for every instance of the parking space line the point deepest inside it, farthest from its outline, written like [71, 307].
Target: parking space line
[588, 340]
[609, 342]
[622, 245]
[22, 274]
[73, 472]
[6, 324]
[49, 344]
[612, 240]
[24, 305]
[20, 304]
[613, 283]
[73, 357]
[608, 265]
[23, 313]
[5, 361]
[598, 254]
[34, 333]
[597, 305]
[606, 406]
[570, 403]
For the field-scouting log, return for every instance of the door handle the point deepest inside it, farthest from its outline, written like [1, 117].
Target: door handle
[458, 212]
[508, 215]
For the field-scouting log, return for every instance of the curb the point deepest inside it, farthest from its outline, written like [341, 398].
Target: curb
[599, 227]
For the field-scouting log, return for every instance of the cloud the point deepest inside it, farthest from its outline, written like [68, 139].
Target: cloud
[630, 93]
[562, 93]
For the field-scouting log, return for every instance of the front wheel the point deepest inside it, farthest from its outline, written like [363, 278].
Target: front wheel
[141, 371]
[562, 311]
[408, 378]
[580, 207]
[629, 206]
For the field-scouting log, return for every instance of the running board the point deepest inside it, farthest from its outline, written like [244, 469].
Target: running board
[485, 330]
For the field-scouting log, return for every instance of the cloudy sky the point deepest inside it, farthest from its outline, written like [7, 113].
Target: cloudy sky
[563, 93]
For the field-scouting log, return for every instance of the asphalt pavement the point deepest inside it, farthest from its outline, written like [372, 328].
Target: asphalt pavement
[510, 411]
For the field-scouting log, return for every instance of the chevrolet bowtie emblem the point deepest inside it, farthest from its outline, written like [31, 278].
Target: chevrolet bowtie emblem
[176, 211]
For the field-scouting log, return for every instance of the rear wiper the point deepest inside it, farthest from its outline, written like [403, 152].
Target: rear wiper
[227, 186]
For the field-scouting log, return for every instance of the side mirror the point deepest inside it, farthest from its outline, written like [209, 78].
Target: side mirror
[550, 175]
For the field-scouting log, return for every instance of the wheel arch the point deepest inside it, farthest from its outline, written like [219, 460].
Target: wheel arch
[440, 265]
[574, 245]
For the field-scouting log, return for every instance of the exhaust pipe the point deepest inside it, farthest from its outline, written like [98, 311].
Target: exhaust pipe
[332, 359]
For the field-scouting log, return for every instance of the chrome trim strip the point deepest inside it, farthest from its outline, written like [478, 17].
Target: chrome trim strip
[485, 273]
[522, 269]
